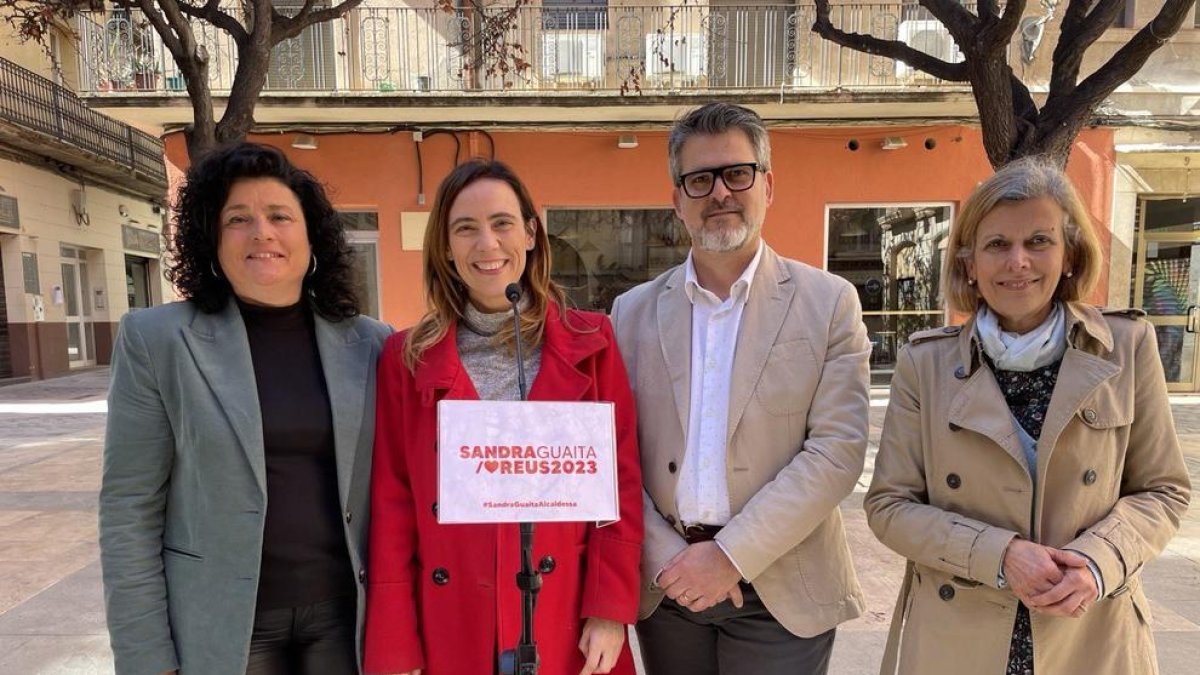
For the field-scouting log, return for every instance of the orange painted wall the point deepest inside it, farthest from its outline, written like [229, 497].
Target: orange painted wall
[813, 168]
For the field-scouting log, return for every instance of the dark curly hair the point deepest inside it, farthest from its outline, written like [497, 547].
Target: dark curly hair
[193, 244]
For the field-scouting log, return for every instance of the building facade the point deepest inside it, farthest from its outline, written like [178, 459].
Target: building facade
[81, 216]
[872, 158]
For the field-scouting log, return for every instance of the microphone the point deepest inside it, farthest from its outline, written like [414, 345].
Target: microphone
[513, 293]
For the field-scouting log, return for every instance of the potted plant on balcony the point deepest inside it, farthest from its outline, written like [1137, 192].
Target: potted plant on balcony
[145, 72]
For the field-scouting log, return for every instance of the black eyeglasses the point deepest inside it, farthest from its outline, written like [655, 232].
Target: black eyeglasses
[737, 178]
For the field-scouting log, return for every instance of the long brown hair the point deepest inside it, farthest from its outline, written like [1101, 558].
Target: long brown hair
[446, 295]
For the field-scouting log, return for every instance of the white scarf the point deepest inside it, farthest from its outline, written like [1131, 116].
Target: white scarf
[1023, 352]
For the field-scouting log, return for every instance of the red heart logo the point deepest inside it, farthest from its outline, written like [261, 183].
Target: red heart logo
[491, 466]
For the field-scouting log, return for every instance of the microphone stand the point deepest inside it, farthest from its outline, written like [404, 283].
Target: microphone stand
[523, 660]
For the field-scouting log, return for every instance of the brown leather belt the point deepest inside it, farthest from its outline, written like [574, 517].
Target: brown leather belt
[699, 532]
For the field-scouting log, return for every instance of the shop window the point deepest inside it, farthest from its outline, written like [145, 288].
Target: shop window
[893, 254]
[599, 254]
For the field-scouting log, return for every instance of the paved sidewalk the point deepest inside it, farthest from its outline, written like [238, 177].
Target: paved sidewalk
[51, 604]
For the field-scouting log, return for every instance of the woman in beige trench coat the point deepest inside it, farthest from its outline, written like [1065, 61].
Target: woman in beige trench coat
[1028, 466]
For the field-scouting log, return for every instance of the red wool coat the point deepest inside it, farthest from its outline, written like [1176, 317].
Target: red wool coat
[443, 598]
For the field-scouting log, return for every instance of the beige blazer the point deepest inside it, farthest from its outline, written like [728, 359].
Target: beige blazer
[951, 488]
[797, 433]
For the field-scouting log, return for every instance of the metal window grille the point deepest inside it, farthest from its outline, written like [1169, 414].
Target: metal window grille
[29, 269]
[10, 217]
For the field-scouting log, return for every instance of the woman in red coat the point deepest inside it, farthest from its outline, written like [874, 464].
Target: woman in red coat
[442, 599]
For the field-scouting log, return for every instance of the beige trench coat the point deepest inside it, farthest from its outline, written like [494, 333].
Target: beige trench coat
[951, 489]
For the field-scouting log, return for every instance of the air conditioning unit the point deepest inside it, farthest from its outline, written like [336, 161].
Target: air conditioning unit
[573, 57]
[679, 58]
[929, 36]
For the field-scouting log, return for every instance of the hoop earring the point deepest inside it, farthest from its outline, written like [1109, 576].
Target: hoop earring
[212, 267]
[312, 268]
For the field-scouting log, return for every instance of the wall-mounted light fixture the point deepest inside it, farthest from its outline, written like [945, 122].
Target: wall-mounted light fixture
[627, 142]
[304, 142]
[894, 143]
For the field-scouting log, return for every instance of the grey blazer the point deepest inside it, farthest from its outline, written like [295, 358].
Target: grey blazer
[183, 496]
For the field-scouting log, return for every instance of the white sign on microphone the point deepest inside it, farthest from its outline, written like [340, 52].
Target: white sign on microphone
[526, 461]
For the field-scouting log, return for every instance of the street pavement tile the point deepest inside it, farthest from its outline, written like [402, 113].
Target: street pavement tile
[69, 527]
[23, 581]
[73, 606]
[69, 471]
[57, 655]
[87, 500]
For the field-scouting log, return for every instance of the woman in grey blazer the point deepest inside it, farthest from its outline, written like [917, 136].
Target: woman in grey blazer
[236, 463]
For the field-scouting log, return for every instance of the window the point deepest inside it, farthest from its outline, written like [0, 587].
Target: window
[10, 217]
[893, 254]
[29, 270]
[362, 234]
[600, 253]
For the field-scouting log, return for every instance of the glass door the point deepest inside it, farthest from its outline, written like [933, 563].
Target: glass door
[1167, 284]
[77, 307]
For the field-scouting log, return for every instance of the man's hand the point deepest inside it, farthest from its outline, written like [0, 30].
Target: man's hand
[601, 644]
[1030, 569]
[1071, 596]
[700, 577]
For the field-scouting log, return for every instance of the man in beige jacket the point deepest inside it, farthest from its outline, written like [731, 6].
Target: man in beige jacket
[751, 376]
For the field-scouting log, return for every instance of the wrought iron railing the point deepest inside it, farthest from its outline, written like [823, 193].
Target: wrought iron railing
[539, 50]
[35, 103]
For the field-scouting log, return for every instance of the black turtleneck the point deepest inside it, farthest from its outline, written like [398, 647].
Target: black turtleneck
[304, 557]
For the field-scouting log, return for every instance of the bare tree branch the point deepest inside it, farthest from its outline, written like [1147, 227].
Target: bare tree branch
[962, 24]
[996, 34]
[1074, 40]
[951, 72]
[212, 13]
[987, 10]
[1123, 65]
[168, 32]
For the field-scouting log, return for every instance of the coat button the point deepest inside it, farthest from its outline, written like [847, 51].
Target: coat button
[955, 482]
[1089, 476]
[362, 575]
[546, 565]
[672, 467]
[435, 509]
[960, 373]
[349, 516]
[1089, 416]
[441, 577]
[946, 592]
[955, 427]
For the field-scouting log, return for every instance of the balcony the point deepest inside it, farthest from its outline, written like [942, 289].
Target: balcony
[44, 118]
[551, 49]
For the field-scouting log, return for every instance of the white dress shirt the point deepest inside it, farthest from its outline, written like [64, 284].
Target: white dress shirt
[702, 494]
